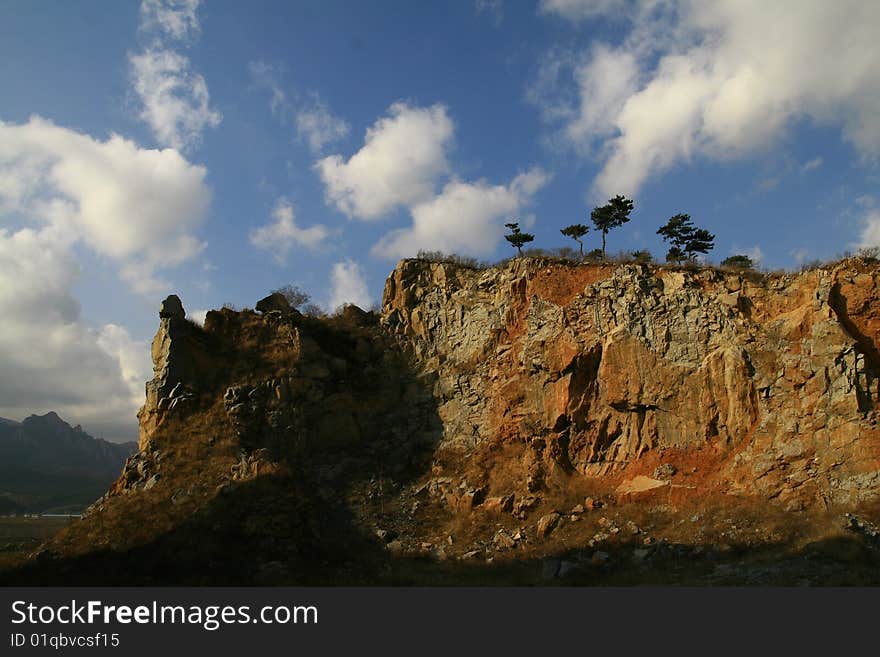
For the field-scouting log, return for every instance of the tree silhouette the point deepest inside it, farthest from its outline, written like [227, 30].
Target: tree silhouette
[517, 238]
[299, 299]
[576, 232]
[686, 239]
[295, 296]
[615, 213]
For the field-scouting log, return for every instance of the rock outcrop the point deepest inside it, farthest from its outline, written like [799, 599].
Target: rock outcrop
[591, 368]
[282, 448]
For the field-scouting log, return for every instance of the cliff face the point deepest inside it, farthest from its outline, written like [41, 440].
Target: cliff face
[483, 413]
[774, 382]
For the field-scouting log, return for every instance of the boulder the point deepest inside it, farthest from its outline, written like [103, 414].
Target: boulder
[502, 504]
[275, 301]
[547, 524]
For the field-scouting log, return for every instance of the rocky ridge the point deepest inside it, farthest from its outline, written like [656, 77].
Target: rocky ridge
[497, 414]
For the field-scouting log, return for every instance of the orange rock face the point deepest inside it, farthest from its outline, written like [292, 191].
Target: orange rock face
[591, 368]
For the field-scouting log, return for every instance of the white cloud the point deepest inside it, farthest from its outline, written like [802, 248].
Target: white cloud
[317, 125]
[133, 358]
[812, 165]
[755, 253]
[280, 236]
[720, 79]
[175, 19]
[579, 10]
[176, 103]
[464, 218]
[403, 156]
[492, 8]
[348, 285]
[50, 358]
[800, 255]
[136, 206]
[866, 201]
[266, 76]
[198, 315]
[870, 235]
[604, 83]
[174, 98]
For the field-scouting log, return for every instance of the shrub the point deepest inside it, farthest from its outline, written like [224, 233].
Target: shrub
[450, 258]
[869, 253]
[738, 261]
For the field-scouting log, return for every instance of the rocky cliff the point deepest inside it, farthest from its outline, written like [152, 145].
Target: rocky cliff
[592, 369]
[488, 414]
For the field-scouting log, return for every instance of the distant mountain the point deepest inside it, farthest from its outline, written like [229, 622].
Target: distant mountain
[47, 465]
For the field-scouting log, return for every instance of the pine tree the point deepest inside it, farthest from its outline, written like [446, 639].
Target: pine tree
[576, 232]
[686, 239]
[517, 238]
[612, 215]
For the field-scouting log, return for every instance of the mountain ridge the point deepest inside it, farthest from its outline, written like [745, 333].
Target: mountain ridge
[47, 464]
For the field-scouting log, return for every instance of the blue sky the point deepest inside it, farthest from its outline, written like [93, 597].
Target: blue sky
[218, 150]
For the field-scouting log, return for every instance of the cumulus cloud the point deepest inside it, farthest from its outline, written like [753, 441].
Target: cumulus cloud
[50, 358]
[601, 83]
[282, 234]
[403, 156]
[720, 79]
[136, 206]
[348, 285]
[175, 19]
[174, 99]
[464, 218]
